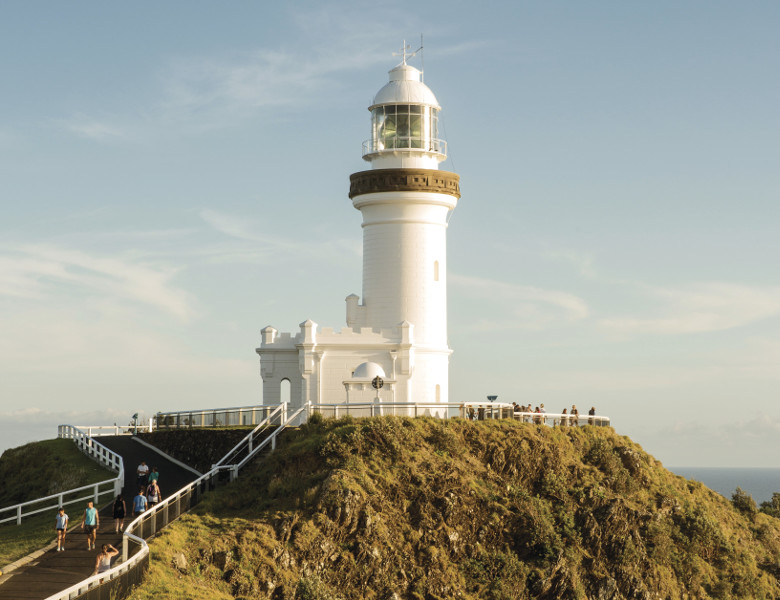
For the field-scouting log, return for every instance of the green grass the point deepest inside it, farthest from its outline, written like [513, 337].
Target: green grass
[36, 470]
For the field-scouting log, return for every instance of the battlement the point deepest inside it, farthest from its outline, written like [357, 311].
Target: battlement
[312, 334]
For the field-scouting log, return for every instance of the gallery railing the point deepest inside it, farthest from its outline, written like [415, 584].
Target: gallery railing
[93, 491]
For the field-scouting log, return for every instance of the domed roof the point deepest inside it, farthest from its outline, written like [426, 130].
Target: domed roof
[405, 87]
[368, 370]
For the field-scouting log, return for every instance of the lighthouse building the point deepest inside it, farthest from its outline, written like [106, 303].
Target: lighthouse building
[398, 329]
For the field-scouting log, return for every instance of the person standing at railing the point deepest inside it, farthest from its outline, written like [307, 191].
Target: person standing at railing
[139, 503]
[591, 414]
[120, 509]
[564, 418]
[575, 416]
[90, 522]
[103, 562]
[62, 529]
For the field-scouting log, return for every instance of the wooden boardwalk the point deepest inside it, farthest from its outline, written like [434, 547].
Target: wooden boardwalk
[55, 571]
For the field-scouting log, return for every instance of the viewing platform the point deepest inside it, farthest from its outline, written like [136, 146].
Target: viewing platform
[251, 415]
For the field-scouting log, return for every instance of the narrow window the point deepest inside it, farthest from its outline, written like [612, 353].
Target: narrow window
[284, 395]
[438, 393]
[436, 270]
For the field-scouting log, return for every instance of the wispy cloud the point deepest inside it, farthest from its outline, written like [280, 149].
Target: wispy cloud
[701, 307]
[252, 242]
[583, 263]
[519, 306]
[41, 271]
[93, 128]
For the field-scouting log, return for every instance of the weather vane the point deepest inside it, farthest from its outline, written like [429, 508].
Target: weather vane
[404, 54]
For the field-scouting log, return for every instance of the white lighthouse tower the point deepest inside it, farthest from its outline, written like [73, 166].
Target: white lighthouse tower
[398, 330]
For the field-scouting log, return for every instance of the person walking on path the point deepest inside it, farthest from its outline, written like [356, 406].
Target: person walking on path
[143, 474]
[103, 562]
[153, 494]
[62, 529]
[91, 520]
[139, 503]
[154, 475]
[120, 509]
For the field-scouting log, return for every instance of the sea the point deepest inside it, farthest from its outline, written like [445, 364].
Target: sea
[759, 482]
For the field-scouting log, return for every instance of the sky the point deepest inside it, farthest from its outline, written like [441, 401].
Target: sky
[174, 177]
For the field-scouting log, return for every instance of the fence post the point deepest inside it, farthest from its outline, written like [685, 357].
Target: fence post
[97, 495]
[124, 548]
[19, 515]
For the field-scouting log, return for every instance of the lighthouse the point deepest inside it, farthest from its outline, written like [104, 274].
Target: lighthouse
[397, 330]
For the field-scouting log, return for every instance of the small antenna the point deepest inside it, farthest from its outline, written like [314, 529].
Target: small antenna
[422, 59]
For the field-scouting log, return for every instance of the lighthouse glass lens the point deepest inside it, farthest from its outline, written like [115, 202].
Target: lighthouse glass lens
[403, 131]
[404, 126]
[415, 126]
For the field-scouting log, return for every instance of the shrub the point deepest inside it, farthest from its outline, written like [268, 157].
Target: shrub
[744, 502]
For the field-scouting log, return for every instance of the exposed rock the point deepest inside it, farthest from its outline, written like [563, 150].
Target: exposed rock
[180, 562]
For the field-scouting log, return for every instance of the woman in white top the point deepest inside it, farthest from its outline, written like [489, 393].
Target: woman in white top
[103, 562]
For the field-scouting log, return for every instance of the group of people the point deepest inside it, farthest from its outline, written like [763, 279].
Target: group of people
[90, 523]
[538, 414]
[149, 494]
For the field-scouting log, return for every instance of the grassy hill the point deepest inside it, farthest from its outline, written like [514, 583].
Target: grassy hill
[389, 508]
[42, 468]
[33, 471]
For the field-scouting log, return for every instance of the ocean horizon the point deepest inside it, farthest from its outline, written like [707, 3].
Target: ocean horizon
[759, 482]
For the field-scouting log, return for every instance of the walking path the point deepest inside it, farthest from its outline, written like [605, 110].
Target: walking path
[54, 571]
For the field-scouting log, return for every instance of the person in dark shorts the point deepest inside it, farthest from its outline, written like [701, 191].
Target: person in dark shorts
[142, 473]
[90, 522]
[119, 513]
[62, 529]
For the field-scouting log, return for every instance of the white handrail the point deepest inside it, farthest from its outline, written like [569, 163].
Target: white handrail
[94, 450]
[248, 440]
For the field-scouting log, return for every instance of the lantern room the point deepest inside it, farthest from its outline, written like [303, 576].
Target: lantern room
[405, 124]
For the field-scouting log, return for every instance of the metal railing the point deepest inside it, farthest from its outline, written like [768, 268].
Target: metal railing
[478, 412]
[101, 430]
[116, 581]
[405, 144]
[91, 448]
[214, 417]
